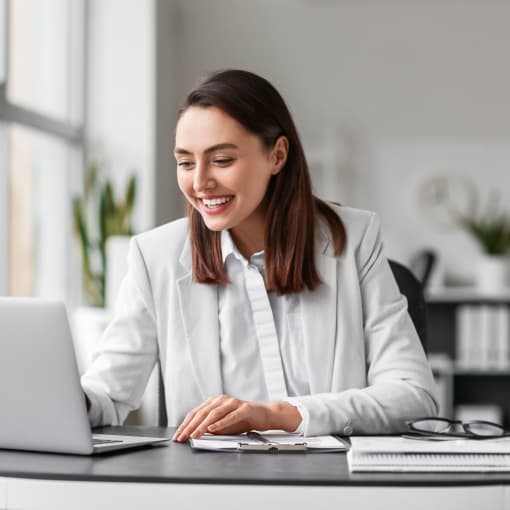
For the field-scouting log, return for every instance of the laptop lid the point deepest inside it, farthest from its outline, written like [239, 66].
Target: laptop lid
[41, 398]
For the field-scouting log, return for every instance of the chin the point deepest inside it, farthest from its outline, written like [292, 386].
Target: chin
[215, 226]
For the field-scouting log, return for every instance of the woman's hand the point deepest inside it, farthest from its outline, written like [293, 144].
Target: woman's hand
[228, 415]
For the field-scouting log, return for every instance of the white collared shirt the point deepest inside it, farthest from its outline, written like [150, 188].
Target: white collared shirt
[261, 334]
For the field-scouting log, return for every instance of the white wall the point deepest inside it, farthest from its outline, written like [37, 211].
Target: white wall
[120, 118]
[168, 200]
[385, 94]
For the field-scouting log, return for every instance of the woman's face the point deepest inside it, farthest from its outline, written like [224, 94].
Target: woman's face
[223, 170]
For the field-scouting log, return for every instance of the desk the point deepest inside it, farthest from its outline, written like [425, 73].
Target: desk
[174, 476]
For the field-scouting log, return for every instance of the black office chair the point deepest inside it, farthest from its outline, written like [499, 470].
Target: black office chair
[412, 289]
[422, 265]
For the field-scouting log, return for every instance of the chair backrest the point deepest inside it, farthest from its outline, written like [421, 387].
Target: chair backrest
[422, 265]
[412, 289]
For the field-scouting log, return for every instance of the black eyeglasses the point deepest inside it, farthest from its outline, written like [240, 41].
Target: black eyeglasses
[444, 427]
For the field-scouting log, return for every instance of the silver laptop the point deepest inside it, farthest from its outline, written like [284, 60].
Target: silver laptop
[42, 406]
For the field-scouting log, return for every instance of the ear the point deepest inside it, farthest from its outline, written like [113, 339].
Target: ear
[279, 154]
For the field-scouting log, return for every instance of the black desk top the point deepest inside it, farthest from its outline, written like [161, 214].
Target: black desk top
[177, 463]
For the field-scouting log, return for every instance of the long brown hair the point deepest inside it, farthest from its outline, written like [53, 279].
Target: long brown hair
[292, 209]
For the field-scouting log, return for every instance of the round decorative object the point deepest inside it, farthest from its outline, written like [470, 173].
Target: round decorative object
[443, 198]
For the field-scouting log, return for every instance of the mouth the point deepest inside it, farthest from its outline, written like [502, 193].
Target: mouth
[215, 205]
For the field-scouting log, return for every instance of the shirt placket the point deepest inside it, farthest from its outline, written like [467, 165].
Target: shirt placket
[266, 334]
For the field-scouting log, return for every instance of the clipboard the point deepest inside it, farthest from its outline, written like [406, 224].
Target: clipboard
[266, 445]
[270, 443]
[272, 447]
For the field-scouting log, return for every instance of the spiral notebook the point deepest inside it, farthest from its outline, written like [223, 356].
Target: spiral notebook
[391, 453]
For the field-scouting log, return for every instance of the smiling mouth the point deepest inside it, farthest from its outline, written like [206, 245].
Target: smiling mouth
[217, 202]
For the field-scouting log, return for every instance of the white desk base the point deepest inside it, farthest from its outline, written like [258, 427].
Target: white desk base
[34, 494]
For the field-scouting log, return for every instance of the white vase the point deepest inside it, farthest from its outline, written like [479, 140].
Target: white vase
[492, 274]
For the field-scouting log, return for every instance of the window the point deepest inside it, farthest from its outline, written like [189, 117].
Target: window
[41, 144]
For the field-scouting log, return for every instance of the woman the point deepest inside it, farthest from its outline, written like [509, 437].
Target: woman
[267, 307]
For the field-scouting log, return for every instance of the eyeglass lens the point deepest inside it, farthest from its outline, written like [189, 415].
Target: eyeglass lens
[432, 425]
[484, 429]
[442, 426]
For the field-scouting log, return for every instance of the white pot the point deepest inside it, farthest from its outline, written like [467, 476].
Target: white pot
[116, 267]
[88, 325]
[492, 274]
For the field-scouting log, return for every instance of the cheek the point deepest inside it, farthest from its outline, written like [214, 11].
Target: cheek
[184, 182]
[257, 185]
[254, 180]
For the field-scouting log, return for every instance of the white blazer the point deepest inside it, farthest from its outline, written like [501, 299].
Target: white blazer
[366, 367]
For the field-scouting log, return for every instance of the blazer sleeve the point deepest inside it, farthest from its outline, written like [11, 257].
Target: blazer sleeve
[116, 380]
[400, 384]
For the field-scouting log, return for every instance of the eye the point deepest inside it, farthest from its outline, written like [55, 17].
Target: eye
[185, 165]
[223, 161]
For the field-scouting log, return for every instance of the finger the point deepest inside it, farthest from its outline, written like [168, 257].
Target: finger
[194, 418]
[205, 417]
[236, 422]
[191, 415]
[214, 416]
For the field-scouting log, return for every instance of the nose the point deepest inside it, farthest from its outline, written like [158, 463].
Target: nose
[202, 180]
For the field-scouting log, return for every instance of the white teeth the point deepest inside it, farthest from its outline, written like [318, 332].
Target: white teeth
[214, 202]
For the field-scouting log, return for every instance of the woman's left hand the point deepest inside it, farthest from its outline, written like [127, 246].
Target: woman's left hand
[229, 415]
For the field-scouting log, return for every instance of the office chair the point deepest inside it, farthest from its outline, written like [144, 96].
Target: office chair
[422, 265]
[412, 289]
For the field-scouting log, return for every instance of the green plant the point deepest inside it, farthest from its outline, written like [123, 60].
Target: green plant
[97, 215]
[491, 229]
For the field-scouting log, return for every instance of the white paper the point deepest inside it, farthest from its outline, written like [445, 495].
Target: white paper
[396, 444]
[387, 454]
[219, 443]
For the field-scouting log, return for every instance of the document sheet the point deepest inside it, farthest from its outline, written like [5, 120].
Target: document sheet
[283, 442]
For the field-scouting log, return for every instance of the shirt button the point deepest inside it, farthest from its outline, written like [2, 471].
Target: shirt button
[347, 430]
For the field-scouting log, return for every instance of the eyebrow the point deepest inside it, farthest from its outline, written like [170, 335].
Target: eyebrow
[213, 148]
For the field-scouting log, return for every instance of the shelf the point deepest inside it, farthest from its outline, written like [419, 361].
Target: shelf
[481, 371]
[478, 372]
[444, 365]
[466, 295]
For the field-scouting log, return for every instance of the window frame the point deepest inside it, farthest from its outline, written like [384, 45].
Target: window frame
[72, 133]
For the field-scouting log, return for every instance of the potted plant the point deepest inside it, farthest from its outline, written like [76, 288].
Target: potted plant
[98, 216]
[491, 230]
[98, 219]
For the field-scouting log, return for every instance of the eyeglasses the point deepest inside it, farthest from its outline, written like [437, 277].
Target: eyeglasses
[444, 427]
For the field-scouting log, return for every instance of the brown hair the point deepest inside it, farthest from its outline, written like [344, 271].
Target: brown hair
[292, 209]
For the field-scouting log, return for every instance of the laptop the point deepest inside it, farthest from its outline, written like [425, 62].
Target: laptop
[42, 405]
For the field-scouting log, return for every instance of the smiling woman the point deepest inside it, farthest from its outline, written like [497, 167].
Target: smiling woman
[267, 307]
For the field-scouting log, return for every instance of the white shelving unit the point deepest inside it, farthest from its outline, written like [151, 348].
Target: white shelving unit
[480, 383]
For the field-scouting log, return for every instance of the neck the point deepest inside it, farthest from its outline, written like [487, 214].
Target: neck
[248, 242]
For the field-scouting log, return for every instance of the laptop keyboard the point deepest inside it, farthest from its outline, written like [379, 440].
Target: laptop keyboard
[105, 441]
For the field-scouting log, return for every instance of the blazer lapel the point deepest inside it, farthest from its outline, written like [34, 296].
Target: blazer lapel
[199, 311]
[319, 309]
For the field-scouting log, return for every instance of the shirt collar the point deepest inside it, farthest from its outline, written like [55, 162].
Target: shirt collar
[228, 247]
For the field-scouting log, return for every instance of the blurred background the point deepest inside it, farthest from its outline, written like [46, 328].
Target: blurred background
[403, 108]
